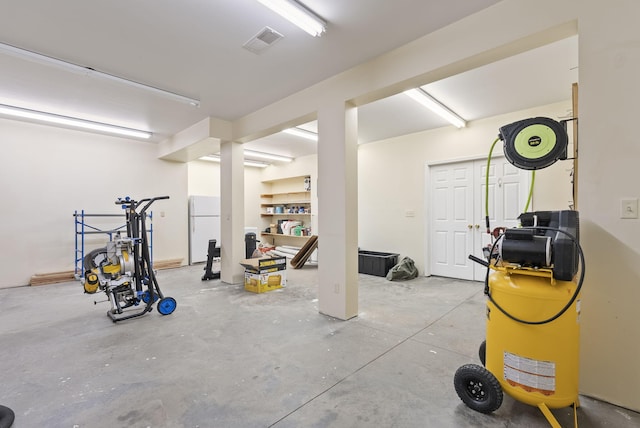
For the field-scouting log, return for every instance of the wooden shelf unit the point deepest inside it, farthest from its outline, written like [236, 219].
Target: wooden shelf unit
[280, 235]
[285, 205]
[286, 198]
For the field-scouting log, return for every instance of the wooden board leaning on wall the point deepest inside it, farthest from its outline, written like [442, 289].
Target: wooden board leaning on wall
[66, 276]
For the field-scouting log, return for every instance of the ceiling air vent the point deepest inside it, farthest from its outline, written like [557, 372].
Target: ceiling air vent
[261, 41]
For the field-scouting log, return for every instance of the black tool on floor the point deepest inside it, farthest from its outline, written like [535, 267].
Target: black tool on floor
[6, 417]
[213, 254]
[250, 244]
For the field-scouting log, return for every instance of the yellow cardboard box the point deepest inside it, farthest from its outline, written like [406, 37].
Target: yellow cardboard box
[264, 274]
[263, 282]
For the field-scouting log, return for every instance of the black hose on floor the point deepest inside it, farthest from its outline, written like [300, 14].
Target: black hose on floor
[6, 417]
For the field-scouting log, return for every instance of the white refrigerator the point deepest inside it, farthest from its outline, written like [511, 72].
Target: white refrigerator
[204, 224]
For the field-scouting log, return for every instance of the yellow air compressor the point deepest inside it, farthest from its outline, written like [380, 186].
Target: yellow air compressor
[537, 363]
[531, 350]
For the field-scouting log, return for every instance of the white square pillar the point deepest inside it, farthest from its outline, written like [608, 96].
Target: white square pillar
[338, 210]
[232, 248]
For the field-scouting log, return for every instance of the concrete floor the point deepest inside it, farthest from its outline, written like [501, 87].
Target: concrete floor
[230, 358]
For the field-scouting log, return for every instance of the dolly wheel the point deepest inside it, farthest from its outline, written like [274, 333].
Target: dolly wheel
[145, 297]
[167, 305]
[482, 353]
[478, 388]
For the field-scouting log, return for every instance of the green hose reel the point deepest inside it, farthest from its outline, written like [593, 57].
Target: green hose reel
[534, 143]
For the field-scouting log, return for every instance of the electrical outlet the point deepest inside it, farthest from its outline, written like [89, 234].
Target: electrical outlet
[629, 208]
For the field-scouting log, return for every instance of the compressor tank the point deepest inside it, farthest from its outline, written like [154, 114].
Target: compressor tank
[534, 363]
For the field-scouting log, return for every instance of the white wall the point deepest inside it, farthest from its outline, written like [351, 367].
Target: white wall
[47, 173]
[88, 171]
[392, 179]
[204, 180]
[609, 156]
[305, 165]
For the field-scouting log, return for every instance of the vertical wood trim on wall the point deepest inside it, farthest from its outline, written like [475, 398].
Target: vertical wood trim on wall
[574, 101]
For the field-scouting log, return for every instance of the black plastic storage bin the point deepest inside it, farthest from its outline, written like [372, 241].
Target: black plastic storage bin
[375, 262]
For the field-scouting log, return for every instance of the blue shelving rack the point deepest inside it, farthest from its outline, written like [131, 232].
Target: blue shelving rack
[82, 229]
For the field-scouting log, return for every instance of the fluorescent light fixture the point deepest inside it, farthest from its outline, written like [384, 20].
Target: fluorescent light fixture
[88, 71]
[216, 158]
[71, 121]
[210, 158]
[267, 156]
[298, 15]
[302, 133]
[436, 106]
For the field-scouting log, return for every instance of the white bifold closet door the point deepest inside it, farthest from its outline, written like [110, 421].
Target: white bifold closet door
[456, 197]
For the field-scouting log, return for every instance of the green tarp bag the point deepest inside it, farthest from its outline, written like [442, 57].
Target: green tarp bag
[405, 269]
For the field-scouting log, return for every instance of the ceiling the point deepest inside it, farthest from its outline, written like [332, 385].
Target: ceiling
[194, 48]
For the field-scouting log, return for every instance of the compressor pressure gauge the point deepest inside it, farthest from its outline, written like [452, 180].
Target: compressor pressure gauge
[534, 143]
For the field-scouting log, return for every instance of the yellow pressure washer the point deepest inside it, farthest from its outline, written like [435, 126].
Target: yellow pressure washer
[532, 285]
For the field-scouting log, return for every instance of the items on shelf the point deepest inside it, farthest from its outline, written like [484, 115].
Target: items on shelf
[286, 211]
[289, 214]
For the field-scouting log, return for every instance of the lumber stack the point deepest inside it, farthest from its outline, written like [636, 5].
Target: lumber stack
[167, 264]
[305, 252]
[51, 278]
[56, 277]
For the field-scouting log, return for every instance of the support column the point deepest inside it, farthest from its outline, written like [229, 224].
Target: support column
[232, 212]
[338, 210]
